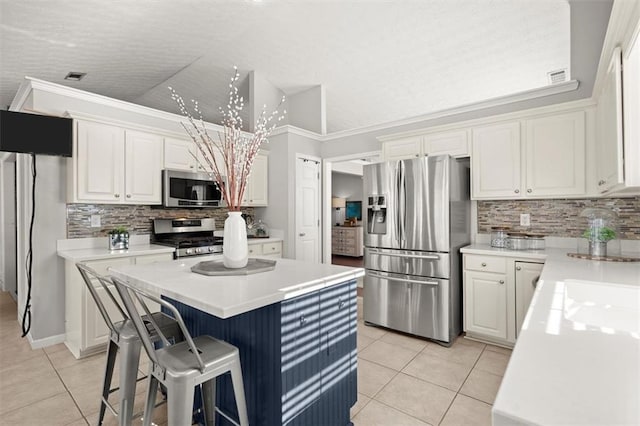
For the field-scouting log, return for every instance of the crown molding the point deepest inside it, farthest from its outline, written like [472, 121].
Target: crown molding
[515, 115]
[289, 129]
[555, 89]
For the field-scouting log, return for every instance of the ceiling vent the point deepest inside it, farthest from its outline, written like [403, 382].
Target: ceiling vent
[557, 76]
[75, 76]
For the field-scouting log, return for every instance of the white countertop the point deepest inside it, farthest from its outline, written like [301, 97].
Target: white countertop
[95, 253]
[263, 240]
[571, 369]
[226, 296]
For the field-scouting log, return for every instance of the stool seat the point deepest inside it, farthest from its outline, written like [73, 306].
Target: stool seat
[125, 344]
[179, 367]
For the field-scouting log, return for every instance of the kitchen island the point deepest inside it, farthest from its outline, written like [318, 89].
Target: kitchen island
[295, 328]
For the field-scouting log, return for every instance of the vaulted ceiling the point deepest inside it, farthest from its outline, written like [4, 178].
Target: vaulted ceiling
[379, 61]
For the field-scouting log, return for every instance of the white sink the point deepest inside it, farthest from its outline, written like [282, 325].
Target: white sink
[611, 307]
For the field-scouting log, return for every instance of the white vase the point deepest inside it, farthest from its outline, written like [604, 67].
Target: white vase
[235, 250]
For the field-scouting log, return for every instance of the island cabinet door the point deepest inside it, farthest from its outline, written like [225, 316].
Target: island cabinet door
[300, 359]
[338, 353]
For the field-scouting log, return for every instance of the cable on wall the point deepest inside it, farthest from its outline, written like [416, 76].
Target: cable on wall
[26, 315]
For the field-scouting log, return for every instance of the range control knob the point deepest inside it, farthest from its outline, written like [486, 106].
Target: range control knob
[198, 250]
[212, 249]
[189, 251]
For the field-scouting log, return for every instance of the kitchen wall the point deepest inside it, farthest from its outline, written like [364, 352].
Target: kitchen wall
[559, 218]
[136, 218]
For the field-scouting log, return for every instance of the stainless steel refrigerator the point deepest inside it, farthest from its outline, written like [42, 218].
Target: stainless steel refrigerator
[417, 218]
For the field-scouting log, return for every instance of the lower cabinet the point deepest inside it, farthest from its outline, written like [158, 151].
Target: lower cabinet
[299, 357]
[269, 249]
[497, 294]
[86, 331]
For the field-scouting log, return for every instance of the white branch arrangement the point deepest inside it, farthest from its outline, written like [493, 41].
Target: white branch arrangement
[230, 155]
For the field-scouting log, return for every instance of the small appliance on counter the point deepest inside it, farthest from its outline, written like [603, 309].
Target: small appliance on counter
[190, 237]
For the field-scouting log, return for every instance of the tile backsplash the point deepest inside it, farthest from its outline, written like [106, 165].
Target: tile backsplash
[559, 218]
[138, 219]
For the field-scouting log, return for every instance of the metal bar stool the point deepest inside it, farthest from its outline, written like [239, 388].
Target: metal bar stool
[182, 366]
[123, 339]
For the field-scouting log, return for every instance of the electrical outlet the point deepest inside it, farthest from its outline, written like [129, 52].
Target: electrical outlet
[525, 219]
[95, 221]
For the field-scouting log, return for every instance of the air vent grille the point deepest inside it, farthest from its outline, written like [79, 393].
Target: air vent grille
[557, 76]
[75, 76]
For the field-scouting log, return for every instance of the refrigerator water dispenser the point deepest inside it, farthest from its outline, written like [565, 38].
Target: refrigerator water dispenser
[376, 215]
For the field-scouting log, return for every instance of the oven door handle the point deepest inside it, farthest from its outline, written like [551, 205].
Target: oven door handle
[410, 256]
[404, 280]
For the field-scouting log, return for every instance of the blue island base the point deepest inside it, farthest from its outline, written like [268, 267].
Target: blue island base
[299, 357]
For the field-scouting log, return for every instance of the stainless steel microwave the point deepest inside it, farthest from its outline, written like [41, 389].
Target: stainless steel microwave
[189, 189]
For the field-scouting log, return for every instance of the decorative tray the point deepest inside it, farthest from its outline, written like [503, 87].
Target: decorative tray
[216, 267]
[605, 258]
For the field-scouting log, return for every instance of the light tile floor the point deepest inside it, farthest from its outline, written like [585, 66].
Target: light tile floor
[401, 380]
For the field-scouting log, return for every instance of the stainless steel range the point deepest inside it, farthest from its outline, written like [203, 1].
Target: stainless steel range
[190, 237]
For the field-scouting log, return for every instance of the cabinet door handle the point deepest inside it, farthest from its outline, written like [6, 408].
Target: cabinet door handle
[529, 191]
[601, 182]
[501, 281]
[518, 268]
[341, 304]
[128, 195]
[484, 264]
[302, 234]
[517, 191]
[117, 195]
[303, 320]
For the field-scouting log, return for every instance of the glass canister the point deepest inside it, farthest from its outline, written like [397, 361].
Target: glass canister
[261, 230]
[499, 236]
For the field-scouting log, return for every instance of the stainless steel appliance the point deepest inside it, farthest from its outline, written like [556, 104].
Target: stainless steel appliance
[190, 237]
[189, 189]
[417, 218]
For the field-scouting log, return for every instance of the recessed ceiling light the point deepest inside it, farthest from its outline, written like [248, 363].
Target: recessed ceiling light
[75, 76]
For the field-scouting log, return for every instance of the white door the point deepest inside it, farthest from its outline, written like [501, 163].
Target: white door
[308, 210]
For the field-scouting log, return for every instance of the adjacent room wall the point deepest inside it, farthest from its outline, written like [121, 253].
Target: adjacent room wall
[346, 186]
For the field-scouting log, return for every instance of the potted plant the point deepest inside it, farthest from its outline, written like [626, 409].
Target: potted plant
[598, 238]
[119, 238]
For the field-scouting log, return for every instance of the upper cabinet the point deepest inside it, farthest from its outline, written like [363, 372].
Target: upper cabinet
[555, 155]
[495, 161]
[454, 143]
[401, 149]
[536, 158]
[610, 160]
[631, 108]
[256, 193]
[113, 165]
[180, 154]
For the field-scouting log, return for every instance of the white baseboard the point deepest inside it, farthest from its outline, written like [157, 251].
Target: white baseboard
[47, 341]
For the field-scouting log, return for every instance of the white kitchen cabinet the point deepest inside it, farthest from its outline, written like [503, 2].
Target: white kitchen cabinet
[86, 331]
[555, 155]
[401, 149]
[256, 192]
[455, 143]
[258, 247]
[143, 168]
[548, 162]
[610, 159]
[527, 275]
[486, 295]
[115, 166]
[495, 161]
[98, 163]
[497, 292]
[180, 154]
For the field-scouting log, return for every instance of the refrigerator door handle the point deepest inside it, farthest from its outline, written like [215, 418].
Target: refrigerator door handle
[402, 204]
[411, 256]
[404, 280]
